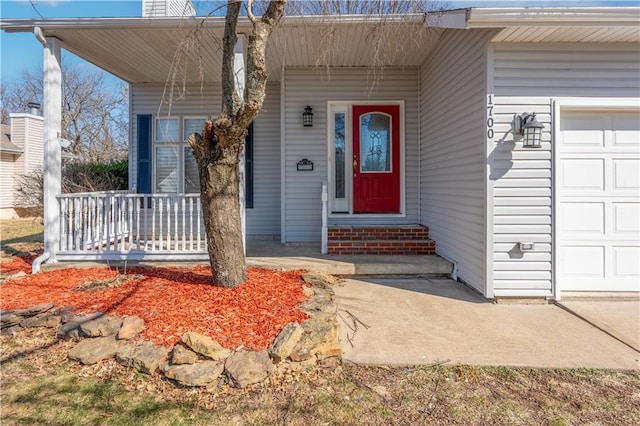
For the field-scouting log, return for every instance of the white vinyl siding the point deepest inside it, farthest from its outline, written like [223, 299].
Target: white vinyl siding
[167, 8]
[35, 144]
[452, 150]
[264, 217]
[307, 86]
[527, 78]
[6, 180]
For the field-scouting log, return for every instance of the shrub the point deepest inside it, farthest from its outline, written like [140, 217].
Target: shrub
[76, 177]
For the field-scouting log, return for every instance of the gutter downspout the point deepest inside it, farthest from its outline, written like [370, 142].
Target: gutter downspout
[52, 164]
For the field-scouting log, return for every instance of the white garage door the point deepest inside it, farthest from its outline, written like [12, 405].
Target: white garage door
[598, 196]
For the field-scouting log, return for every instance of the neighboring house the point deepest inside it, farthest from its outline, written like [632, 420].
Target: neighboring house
[21, 154]
[424, 139]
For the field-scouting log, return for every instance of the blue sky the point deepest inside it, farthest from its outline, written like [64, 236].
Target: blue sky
[22, 52]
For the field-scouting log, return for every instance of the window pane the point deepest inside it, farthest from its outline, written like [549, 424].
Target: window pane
[191, 177]
[167, 130]
[166, 169]
[339, 155]
[192, 125]
[375, 152]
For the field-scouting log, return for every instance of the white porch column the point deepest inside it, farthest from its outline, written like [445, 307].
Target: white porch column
[238, 69]
[52, 166]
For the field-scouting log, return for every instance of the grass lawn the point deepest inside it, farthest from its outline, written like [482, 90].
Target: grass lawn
[40, 386]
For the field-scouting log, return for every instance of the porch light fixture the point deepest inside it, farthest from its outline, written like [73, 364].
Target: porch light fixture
[530, 129]
[307, 117]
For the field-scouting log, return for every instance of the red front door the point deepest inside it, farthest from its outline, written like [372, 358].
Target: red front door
[376, 159]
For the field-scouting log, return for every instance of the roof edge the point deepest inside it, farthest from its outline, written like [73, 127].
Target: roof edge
[553, 16]
[438, 19]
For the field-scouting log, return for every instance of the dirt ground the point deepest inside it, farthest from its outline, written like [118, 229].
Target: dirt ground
[19, 237]
[39, 385]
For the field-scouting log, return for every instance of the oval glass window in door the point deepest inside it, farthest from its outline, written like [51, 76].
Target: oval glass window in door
[375, 143]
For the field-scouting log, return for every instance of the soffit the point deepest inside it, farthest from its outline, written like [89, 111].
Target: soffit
[177, 51]
[569, 34]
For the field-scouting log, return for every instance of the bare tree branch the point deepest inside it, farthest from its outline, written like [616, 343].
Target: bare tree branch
[229, 106]
[250, 15]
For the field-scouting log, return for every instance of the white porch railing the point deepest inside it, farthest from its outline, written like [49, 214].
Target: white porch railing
[129, 226]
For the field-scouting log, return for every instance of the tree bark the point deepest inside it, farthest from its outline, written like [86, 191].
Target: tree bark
[221, 208]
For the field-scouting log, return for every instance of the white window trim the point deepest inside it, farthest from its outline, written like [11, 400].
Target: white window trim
[179, 145]
[340, 106]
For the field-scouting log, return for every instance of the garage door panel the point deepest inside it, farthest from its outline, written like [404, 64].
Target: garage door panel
[626, 128]
[598, 201]
[582, 218]
[584, 139]
[625, 261]
[583, 261]
[626, 174]
[626, 219]
[582, 174]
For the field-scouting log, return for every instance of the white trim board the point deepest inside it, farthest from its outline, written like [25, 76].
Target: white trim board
[348, 153]
[573, 104]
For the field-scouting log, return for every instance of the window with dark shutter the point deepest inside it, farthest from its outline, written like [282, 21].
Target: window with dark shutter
[144, 154]
[248, 168]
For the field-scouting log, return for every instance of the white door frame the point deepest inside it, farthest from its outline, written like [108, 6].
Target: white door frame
[346, 106]
[573, 104]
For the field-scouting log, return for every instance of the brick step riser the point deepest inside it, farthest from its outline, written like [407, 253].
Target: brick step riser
[387, 234]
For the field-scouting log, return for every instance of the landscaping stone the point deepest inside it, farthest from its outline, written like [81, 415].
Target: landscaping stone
[102, 326]
[91, 351]
[247, 368]
[9, 319]
[286, 342]
[65, 313]
[71, 330]
[297, 347]
[131, 327]
[205, 345]
[7, 331]
[33, 310]
[42, 320]
[319, 304]
[183, 355]
[308, 291]
[319, 279]
[320, 339]
[13, 317]
[145, 357]
[201, 374]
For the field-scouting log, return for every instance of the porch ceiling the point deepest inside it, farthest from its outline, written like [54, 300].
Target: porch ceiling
[157, 50]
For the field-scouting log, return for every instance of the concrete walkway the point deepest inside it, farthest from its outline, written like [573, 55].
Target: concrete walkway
[422, 321]
[619, 318]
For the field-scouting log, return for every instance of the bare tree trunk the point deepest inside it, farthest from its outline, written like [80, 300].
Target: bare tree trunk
[218, 150]
[221, 208]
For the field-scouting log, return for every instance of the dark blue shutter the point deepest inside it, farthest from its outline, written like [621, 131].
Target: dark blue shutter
[248, 168]
[144, 154]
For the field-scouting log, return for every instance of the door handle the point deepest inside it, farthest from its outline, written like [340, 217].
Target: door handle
[355, 164]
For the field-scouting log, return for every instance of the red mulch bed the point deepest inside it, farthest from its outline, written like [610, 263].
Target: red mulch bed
[12, 265]
[173, 301]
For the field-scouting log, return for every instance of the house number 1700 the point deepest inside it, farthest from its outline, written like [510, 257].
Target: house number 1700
[490, 132]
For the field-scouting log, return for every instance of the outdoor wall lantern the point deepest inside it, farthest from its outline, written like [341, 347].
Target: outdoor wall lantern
[307, 117]
[530, 129]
